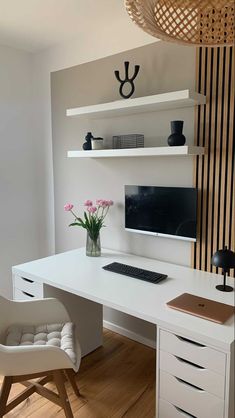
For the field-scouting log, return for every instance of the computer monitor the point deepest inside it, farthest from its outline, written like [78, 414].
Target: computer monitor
[161, 211]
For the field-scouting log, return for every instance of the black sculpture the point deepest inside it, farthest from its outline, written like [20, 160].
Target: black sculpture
[87, 145]
[127, 79]
[176, 138]
[226, 260]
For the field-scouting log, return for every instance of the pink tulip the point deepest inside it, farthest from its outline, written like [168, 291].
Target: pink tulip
[92, 209]
[88, 203]
[104, 203]
[68, 207]
[99, 202]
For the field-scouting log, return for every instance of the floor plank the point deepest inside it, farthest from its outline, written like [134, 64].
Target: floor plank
[117, 380]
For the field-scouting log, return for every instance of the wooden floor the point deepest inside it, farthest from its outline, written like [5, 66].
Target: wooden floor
[117, 380]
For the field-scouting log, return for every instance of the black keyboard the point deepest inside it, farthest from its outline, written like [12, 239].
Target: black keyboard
[137, 273]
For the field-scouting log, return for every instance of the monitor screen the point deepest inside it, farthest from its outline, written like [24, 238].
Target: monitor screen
[161, 211]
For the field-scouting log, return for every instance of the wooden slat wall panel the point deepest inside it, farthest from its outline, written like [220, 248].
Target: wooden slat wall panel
[214, 174]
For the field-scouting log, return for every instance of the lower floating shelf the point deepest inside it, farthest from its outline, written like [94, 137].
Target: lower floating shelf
[139, 152]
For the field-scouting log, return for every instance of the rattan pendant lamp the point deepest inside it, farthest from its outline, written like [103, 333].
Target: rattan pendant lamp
[190, 22]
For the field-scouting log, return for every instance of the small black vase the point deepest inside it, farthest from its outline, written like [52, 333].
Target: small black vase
[87, 145]
[176, 138]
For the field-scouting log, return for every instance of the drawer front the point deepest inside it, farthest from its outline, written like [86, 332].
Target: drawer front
[193, 351]
[168, 410]
[22, 295]
[29, 286]
[197, 375]
[194, 400]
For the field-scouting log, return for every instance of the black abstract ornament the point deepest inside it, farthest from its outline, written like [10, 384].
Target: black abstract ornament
[127, 79]
[87, 145]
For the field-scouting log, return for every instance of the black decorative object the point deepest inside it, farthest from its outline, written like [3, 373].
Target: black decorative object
[176, 138]
[87, 145]
[127, 79]
[226, 260]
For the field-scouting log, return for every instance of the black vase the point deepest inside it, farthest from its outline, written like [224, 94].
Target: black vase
[176, 138]
[87, 145]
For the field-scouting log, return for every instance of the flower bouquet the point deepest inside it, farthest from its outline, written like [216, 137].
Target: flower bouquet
[92, 221]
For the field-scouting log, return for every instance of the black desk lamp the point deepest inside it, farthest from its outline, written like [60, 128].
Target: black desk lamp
[226, 260]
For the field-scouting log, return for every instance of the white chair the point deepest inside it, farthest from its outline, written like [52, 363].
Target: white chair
[37, 340]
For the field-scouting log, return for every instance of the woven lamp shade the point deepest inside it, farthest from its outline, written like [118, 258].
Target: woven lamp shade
[191, 22]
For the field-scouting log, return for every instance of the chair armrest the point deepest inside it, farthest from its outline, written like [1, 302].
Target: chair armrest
[22, 360]
[41, 311]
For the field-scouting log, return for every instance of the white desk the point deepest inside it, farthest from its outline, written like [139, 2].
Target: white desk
[84, 287]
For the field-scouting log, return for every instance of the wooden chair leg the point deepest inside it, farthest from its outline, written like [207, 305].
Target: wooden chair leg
[59, 381]
[4, 394]
[71, 377]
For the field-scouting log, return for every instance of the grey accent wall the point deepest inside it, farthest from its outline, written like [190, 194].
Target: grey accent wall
[164, 67]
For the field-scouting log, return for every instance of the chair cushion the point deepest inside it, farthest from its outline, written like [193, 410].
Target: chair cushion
[58, 335]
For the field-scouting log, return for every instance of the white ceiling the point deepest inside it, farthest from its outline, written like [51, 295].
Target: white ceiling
[34, 25]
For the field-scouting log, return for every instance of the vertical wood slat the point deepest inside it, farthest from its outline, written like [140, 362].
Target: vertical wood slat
[218, 153]
[199, 165]
[224, 135]
[196, 138]
[214, 174]
[206, 162]
[211, 152]
[222, 153]
[230, 235]
[231, 150]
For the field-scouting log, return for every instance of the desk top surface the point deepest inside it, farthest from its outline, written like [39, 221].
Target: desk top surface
[76, 273]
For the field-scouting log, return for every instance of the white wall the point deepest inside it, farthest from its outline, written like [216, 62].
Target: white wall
[78, 180]
[26, 170]
[116, 36]
[19, 199]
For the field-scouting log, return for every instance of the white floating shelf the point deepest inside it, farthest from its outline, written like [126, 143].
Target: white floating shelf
[138, 152]
[172, 100]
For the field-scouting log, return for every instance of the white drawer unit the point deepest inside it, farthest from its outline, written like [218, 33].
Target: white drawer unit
[193, 351]
[26, 289]
[168, 410]
[206, 379]
[21, 295]
[189, 398]
[191, 378]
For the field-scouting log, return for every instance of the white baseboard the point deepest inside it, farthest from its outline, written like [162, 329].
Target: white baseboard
[129, 334]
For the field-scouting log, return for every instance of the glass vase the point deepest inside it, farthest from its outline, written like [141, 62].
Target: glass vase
[93, 248]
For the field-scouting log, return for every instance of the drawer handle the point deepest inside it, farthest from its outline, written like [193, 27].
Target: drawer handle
[189, 341]
[182, 360]
[188, 384]
[27, 280]
[184, 412]
[28, 294]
